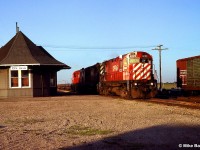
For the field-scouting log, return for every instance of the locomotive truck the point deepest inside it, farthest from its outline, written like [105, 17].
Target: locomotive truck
[130, 76]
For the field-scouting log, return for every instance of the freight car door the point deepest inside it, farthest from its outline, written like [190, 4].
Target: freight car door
[183, 76]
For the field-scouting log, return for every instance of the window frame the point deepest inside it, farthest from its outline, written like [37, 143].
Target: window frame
[54, 75]
[22, 77]
[19, 79]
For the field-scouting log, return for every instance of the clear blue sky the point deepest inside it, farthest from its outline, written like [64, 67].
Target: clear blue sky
[81, 33]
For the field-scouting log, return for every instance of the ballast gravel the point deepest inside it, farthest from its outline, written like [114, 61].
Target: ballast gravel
[95, 122]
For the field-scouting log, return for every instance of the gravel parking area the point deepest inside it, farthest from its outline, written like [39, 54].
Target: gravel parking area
[95, 122]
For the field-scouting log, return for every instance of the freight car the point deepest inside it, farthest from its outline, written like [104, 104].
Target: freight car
[130, 76]
[188, 74]
[85, 81]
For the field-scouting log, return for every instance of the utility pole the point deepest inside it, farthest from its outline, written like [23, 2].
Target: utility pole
[159, 48]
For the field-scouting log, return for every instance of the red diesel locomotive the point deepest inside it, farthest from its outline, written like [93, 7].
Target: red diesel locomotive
[130, 76]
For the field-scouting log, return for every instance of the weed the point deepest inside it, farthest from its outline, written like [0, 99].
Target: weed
[86, 131]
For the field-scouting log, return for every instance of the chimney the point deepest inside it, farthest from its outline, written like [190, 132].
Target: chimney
[17, 28]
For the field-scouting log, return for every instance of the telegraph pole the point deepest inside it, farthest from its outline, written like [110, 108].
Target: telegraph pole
[159, 48]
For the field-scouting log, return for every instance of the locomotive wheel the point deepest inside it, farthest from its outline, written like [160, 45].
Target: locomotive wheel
[124, 94]
[137, 93]
[153, 93]
[105, 91]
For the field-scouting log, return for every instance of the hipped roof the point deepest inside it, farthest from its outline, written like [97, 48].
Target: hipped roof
[20, 50]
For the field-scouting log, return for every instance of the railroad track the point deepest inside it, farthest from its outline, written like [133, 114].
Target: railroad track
[187, 102]
[193, 103]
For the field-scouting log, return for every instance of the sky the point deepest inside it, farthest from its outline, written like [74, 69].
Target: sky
[81, 33]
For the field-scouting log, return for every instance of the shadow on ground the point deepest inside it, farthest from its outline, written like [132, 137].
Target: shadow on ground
[65, 93]
[157, 137]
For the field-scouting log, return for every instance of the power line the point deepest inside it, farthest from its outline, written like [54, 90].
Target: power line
[69, 48]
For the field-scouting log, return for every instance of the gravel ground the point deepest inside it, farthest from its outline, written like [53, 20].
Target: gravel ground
[95, 122]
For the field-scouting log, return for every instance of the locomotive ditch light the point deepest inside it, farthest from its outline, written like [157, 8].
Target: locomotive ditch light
[151, 83]
[135, 84]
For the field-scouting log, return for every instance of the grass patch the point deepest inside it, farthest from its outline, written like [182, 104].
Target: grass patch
[32, 120]
[86, 131]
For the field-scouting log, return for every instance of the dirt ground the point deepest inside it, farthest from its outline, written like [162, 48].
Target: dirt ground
[95, 122]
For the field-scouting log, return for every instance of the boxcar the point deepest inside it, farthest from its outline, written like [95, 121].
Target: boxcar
[85, 81]
[188, 74]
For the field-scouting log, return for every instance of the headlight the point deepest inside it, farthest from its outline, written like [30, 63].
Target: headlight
[135, 84]
[151, 83]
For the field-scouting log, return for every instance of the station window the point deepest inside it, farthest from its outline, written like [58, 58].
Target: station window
[19, 78]
[52, 79]
[14, 78]
[25, 78]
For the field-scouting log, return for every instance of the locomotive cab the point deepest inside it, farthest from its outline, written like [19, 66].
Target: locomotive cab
[142, 82]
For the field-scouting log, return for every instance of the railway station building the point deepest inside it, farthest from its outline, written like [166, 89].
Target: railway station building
[27, 70]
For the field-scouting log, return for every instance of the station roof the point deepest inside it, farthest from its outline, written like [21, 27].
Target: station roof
[20, 50]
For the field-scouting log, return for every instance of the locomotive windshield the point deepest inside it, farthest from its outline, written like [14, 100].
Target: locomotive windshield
[145, 60]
